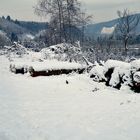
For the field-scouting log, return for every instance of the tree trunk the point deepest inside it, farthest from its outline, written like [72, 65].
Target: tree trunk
[125, 44]
[60, 21]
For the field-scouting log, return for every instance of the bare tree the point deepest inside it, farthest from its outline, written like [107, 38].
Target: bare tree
[84, 20]
[65, 18]
[127, 24]
[51, 9]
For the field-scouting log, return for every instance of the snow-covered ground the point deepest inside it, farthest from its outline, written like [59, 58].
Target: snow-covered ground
[46, 108]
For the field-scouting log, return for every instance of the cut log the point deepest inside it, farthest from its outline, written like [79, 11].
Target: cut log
[34, 73]
[46, 68]
[136, 82]
[18, 70]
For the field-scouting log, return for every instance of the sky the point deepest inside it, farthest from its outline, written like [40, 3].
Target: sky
[102, 10]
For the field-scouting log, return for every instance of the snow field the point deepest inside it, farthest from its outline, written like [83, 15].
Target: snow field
[46, 108]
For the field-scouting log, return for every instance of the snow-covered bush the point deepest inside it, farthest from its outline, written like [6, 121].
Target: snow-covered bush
[28, 41]
[97, 52]
[63, 52]
[16, 50]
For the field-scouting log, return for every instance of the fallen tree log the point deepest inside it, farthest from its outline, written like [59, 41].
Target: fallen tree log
[18, 70]
[46, 68]
[34, 73]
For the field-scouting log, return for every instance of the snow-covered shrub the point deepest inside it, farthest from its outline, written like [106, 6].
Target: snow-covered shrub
[54, 52]
[96, 52]
[28, 41]
[63, 52]
[16, 50]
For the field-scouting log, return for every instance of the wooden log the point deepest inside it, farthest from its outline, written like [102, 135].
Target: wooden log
[19, 70]
[108, 75]
[136, 82]
[34, 73]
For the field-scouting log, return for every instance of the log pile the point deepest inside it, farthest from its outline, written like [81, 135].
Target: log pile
[116, 73]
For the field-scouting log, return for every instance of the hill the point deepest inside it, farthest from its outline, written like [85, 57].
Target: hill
[32, 26]
[96, 29]
[21, 27]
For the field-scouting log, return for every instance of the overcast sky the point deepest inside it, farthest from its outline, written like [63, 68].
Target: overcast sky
[102, 10]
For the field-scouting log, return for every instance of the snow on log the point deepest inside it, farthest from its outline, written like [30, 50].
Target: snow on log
[46, 68]
[136, 77]
[17, 69]
[51, 72]
[136, 82]
[115, 63]
[135, 65]
[117, 73]
[97, 73]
